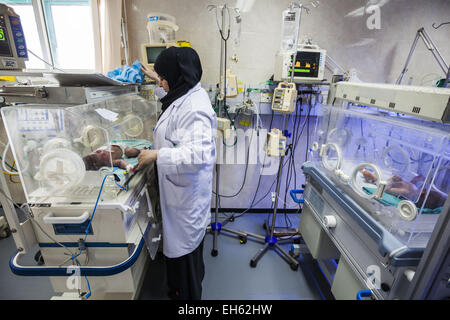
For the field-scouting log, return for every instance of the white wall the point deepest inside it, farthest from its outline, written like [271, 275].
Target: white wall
[380, 60]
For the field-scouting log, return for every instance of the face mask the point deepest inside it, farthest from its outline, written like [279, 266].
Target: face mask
[160, 93]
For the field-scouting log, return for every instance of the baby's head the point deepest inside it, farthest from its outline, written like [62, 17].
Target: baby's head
[97, 159]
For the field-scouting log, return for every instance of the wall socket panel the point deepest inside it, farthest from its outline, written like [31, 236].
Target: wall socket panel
[266, 97]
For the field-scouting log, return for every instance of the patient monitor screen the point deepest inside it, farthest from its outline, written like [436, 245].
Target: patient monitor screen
[153, 53]
[306, 64]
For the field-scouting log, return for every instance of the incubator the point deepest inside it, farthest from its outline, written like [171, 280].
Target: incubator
[396, 168]
[75, 164]
[51, 144]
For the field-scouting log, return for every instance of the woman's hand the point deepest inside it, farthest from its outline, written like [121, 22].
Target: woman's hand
[146, 157]
[150, 73]
[397, 186]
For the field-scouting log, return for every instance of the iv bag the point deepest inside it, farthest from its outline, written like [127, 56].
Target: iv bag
[289, 29]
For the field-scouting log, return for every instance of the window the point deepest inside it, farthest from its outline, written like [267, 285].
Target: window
[61, 32]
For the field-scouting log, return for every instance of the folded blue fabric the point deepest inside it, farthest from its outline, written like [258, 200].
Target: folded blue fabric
[114, 73]
[128, 74]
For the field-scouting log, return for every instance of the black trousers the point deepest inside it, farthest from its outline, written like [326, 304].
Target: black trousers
[185, 275]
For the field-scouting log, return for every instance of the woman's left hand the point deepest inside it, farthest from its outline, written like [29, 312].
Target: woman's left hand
[146, 157]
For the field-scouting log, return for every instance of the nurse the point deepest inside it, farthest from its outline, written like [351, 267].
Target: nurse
[184, 142]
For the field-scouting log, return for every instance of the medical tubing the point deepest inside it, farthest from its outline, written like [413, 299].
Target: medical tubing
[246, 169]
[3, 160]
[74, 256]
[95, 207]
[9, 166]
[256, 192]
[34, 221]
[123, 188]
[259, 179]
[291, 167]
[89, 293]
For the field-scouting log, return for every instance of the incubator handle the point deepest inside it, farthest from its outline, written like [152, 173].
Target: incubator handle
[58, 271]
[294, 192]
[288, 85]
[51, 219]
[363, 294]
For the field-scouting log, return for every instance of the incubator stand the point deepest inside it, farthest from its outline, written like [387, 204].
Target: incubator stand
[50, 145]
[397, 169]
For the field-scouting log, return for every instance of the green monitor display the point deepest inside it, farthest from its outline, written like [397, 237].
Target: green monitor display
[306, 64]
[153, 53]
[5, 48]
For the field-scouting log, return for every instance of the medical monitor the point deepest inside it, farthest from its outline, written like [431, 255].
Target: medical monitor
[151, 51]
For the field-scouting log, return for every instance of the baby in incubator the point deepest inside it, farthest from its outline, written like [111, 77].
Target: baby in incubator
[103, 156]
[410, 190]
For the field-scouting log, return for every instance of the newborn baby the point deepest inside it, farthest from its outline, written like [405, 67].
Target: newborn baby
[398, 187]
[102, 157]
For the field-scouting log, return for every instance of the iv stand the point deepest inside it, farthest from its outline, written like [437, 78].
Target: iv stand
[271, 241]
[217, 226]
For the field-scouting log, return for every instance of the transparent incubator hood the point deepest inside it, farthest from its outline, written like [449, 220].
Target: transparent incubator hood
[397, 168]
[64, 153]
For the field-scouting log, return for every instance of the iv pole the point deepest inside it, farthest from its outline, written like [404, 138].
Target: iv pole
[217, 226]
[422, 34]
[271, 241]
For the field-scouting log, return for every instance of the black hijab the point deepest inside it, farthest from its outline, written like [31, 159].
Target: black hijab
[181, 68]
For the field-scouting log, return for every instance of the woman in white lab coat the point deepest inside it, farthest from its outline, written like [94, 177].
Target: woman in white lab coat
[184, 141]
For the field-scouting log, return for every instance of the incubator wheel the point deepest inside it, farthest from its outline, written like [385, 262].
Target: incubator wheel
[214, 252]
[253, 263]
[294, 266]
[242, 240]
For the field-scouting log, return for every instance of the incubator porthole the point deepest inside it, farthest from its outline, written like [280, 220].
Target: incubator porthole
[132, 125]
[331, 156]
[395, 158]
[92, 137]
[61, 169]
[366, 180]
[339, 136]
[407, 210]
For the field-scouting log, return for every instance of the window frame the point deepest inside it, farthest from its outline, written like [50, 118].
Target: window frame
[44, 39]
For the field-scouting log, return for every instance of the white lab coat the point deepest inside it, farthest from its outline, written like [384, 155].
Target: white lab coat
[185, 137]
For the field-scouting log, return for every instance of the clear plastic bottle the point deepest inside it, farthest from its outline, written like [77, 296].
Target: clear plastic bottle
[289, 29]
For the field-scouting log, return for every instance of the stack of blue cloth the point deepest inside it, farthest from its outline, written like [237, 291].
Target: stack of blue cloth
[128, 74]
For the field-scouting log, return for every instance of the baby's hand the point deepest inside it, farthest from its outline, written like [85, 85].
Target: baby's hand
[122, 164]
[368, 176]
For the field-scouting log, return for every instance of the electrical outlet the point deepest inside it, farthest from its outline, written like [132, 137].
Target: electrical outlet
[266, 97]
